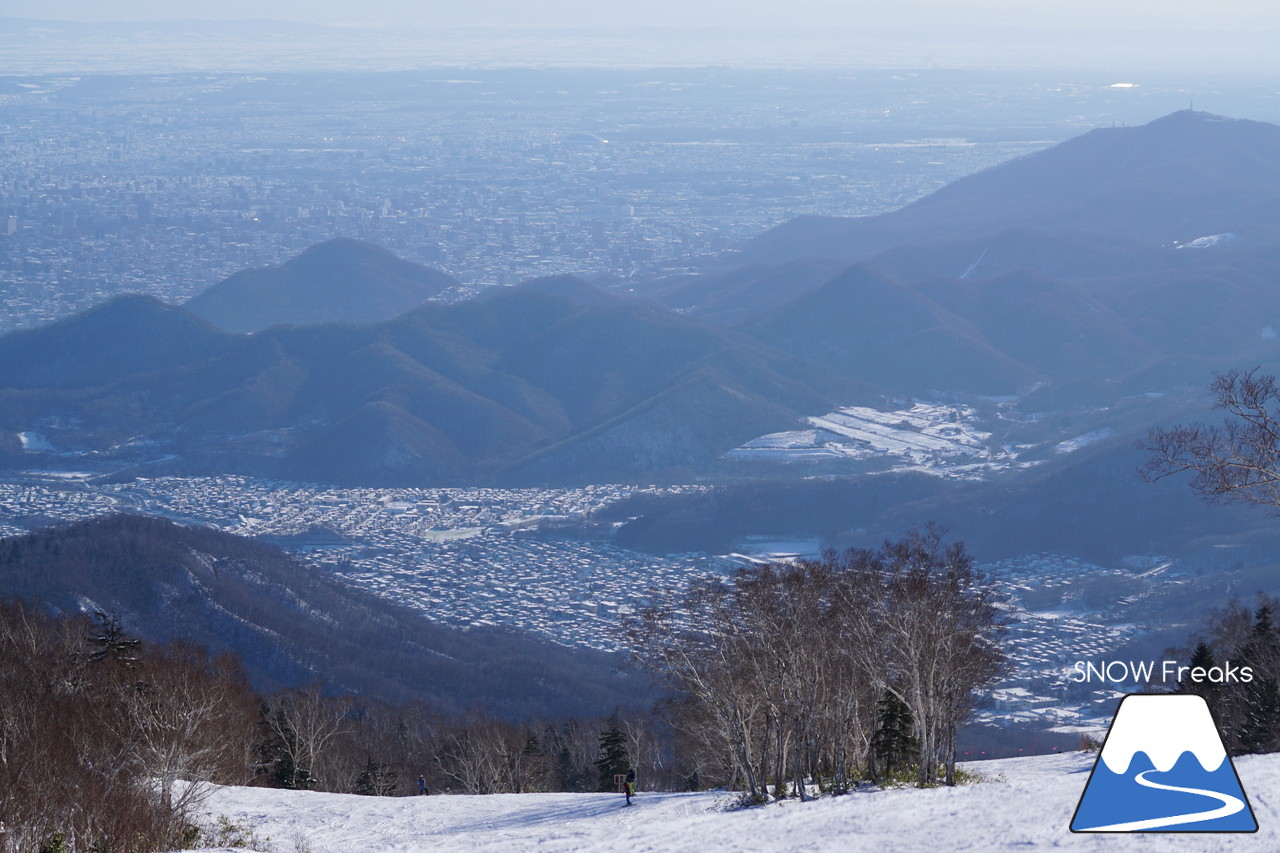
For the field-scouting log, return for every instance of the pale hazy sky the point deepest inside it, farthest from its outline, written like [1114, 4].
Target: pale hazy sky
[1156, 15]
[1124, 35]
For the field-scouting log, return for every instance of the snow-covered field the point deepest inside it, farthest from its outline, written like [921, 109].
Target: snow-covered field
[930, 437]
[1027, 805]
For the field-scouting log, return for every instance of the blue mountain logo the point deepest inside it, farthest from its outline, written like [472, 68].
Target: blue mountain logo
[1163, 768]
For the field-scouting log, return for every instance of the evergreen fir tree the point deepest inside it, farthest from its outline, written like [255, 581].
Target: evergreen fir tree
[276, 752]
[893, 745]
[565, 770]
[376, 780]
[1201, 658]
[112, 642]
[1263, 626]
[614, 759]
[533, 764]
[1260, 729]
[571, 773]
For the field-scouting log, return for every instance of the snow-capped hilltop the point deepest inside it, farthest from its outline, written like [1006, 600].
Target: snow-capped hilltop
[1163, 726]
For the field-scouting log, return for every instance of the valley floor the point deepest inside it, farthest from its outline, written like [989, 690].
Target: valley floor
[1027, 805]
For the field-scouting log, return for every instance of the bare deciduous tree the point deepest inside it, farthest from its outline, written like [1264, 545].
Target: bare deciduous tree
[698, 647]
[484, 756]
[84, 737]
[188, 715]
[781, 666]
[306, 724]
[1237, 460]
[938, 630]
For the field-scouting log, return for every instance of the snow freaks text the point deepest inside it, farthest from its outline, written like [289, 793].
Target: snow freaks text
[1150, 671]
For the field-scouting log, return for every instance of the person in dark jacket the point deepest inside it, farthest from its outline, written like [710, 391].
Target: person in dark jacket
[422, 785]
[630, 785]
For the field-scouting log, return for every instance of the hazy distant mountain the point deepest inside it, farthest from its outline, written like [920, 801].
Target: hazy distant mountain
[1058, 329]
[1182, 177]
[565, 286]
[522, 384]
[553, 388]
[1083, 262]
[865, 324]
[293, 625]
[1065, 256]
[111, 341]
[558, 381]
[1004, 334]
[740, 293]
[340, 280]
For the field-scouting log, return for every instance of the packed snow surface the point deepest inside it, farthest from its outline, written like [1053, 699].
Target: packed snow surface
[1027, 805]
[34, 442]
[928, 436]
[1211, 241]
[1073, 444]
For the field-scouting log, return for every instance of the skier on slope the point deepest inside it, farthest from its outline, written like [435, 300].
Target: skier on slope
[630, 785]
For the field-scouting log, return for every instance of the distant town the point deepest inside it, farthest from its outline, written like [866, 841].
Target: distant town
[166, 184]
[493, 178]
[532, 559]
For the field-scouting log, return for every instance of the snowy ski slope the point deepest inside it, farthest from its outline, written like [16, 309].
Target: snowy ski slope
[936, 438]
[1027, 806]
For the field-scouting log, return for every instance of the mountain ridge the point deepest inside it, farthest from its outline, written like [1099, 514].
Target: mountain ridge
[291, 625]
[1183, 176]
[342, 280]
[440, 394]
